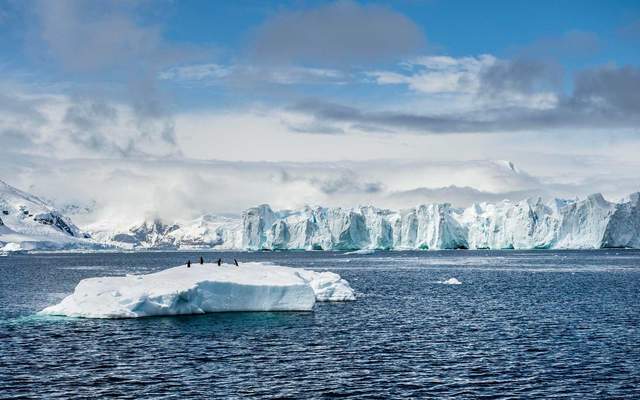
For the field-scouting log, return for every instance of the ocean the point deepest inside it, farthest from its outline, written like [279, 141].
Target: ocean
[523, 324]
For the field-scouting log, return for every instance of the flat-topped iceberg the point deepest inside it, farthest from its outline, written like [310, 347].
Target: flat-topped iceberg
[203, 289]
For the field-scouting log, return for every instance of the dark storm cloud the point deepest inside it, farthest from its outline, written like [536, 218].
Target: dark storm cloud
[572, 44]
[89, 115]
[606, 97]
[377, 120]
[314, 129]
[612, 90]
[520, 75]
[88, 123]
[339, 33]
[345, 182]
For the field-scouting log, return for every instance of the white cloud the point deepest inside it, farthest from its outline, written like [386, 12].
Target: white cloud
[82, 150]
[197, 72]
[127, 190]
[438, 74]
[215, 74]
[462, 80]
[73, 127]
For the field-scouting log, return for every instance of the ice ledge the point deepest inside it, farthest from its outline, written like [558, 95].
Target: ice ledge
[203, 289]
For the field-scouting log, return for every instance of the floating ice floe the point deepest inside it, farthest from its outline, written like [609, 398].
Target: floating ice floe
[328, 286]
[10, 247]
[360, 252]
[203, 289]
[451, 281]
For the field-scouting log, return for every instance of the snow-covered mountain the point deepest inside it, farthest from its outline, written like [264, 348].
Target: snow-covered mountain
[206, 232]
[29, 223]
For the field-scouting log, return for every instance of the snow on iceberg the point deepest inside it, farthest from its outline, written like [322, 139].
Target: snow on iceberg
[328, 286]
[11, 247]
[360, 252]
[202, 289]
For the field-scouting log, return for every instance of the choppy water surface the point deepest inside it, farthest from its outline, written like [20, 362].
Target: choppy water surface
[522, 324]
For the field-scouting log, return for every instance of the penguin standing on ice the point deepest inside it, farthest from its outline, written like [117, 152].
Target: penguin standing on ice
[188, 263]
[219, 262]
[201, 260]
[235, 262]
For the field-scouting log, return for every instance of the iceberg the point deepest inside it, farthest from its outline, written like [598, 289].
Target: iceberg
[202, 288]
[591, 223]
[328, 286]
[451, 281]
[362, 252]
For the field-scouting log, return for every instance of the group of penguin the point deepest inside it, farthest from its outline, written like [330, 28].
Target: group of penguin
[219, 262]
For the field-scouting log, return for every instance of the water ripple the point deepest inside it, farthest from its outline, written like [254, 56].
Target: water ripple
[506, 332]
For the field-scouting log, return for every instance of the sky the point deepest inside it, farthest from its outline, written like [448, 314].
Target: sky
[126, 110]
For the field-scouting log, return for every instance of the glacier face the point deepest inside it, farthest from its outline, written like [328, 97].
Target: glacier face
[529, 224]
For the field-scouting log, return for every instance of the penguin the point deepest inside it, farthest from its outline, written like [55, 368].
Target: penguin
[188, 263]
[235, 262]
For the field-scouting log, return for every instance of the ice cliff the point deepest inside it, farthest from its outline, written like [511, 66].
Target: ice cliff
[529, 224]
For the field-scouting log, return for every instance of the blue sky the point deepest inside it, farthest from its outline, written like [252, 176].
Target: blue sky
[553, 87]
[456, 28]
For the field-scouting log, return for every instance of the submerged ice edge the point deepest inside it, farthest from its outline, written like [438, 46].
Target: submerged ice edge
[200, 289]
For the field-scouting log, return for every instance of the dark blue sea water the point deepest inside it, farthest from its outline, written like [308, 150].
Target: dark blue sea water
[537, 324]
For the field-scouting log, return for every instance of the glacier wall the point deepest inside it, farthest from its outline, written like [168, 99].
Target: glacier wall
[530, 224]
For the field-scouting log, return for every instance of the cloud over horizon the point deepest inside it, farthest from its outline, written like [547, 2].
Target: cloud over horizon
[122, 193]
[328, 102]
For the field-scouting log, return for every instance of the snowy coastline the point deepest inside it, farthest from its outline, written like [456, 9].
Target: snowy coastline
[28, 223]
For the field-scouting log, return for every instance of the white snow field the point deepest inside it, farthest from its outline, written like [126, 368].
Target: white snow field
[202, 288]
[29, 223]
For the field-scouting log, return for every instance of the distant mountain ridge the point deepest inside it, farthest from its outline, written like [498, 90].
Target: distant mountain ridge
[29, 223]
